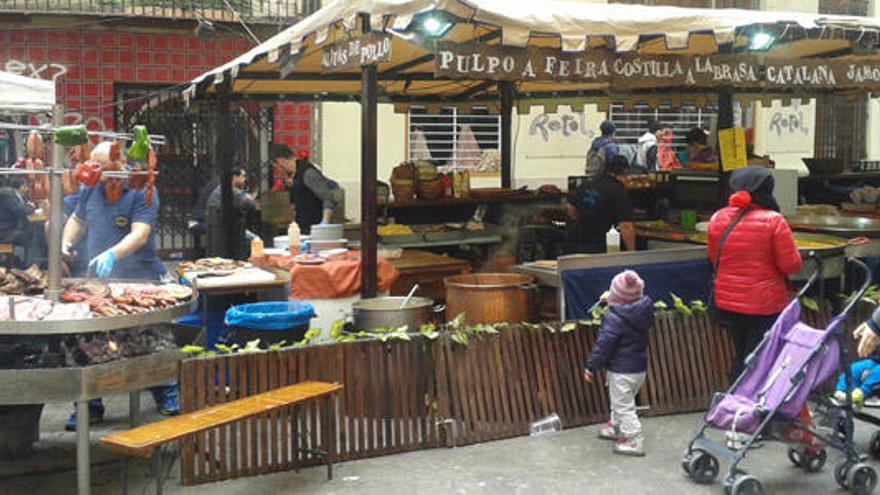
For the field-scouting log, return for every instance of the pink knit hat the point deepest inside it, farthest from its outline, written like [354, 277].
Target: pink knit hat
[626, 288]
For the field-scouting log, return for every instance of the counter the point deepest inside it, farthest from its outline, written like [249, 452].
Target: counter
[426, 269]
[578, 280]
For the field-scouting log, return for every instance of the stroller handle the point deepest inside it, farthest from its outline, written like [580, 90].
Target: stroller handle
[811, 256]
[865, 284]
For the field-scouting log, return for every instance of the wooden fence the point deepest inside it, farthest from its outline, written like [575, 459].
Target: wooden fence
[408, 395]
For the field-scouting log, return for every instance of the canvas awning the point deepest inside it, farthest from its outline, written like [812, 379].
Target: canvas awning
[20, 94]
[500, 53]
[563, 27]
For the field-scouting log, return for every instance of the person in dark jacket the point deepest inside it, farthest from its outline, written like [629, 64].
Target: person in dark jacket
[310, 191]
[622, 349]
[14, 211]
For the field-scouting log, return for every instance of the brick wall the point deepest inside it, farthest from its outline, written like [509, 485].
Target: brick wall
[87, 63]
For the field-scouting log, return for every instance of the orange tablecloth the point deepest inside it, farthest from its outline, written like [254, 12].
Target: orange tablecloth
[331, 279]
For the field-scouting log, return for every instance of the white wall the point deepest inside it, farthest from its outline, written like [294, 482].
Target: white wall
[786, 133]
[341, 147]
[544, 153]
[873, 137]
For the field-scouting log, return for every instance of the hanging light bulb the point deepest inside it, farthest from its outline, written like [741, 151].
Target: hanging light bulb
[761, 41]
[434, 26]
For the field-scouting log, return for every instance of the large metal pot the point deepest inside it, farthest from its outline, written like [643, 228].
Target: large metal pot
[849, 227]
[385, 312]
[491, 297]
[831, 256]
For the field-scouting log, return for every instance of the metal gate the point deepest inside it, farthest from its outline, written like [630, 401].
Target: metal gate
[187, 162]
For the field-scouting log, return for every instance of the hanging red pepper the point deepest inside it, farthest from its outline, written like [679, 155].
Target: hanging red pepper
[88, 173]
[151, 175]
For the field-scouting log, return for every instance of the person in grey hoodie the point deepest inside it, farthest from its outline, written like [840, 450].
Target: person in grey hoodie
[622, 349]
[646, 159]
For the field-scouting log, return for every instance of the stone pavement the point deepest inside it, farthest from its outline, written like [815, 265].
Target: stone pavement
[573, 461]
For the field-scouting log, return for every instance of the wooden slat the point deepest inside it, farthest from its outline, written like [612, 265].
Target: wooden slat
[447, 395]
[187, 404]
[484, 390]
[220, 398]
[541, 399]
[500, 378]
[234, 427]
[201, 378]
[511, 372]
[529, 375]
[458, 369]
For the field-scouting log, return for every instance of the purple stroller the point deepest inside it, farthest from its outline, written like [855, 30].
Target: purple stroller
[769, 398]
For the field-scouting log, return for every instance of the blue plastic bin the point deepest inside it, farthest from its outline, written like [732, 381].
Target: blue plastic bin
[271, 322]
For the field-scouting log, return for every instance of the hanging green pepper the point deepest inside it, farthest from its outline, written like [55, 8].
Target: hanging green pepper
[141, 145]
[72, 135]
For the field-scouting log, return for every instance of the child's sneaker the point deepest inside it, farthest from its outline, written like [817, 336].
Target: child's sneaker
[609, 431]
[838, 399]
[634, 445]
[858, 398]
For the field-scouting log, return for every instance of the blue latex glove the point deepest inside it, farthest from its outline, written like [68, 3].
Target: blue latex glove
[103, 264]
[324, 222]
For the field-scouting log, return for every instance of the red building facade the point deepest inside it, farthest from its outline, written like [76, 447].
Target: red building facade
[90, 65]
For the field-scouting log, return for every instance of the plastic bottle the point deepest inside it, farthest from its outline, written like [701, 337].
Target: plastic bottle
[293, 240]
[612, 241]
[546, 425]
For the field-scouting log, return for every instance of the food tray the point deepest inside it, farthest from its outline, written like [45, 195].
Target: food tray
[92, 325]
[449, 235]
[401, 239]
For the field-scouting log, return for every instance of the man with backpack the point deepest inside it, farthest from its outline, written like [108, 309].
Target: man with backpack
[603, 149]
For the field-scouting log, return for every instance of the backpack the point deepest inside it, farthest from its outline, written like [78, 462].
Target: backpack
[595, 162]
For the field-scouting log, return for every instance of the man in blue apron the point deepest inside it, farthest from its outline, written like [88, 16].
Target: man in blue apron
[120, 244]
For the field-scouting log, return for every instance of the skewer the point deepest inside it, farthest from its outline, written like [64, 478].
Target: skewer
[157, 139]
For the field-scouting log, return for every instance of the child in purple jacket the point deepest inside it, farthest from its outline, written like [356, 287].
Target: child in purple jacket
[622, 349]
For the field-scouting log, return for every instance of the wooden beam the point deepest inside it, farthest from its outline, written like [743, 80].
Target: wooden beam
[483, 86]
[369, 208]
[335, 76]
[396, 70]
[506, 90]
[224, 160]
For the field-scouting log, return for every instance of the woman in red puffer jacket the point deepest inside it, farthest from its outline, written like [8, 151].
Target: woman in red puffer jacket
[751, 286]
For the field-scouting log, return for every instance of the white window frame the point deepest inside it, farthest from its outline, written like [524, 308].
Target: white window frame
[437, 138]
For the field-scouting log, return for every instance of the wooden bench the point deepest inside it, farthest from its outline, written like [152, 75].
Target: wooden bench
[145, 440]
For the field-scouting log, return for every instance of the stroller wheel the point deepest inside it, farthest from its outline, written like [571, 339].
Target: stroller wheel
[840, 472]
[794, 455]
[747, 485]
[702, 467]
[814, 462]
[862, 479]
[685, 462]
[875, 445]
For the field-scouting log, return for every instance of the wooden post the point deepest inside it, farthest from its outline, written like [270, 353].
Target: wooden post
[505, 89]
[725, 121]
[369, 210]
[223, 152]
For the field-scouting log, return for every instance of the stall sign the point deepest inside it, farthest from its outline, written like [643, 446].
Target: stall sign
[464, 61]
[822, 74]
[732, 143]
[370, 49]
[628, 71]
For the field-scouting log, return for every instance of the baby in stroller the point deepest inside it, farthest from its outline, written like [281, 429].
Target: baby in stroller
[865, 376]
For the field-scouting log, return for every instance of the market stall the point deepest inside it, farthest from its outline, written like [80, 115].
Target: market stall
[478, 54]
[72, 340]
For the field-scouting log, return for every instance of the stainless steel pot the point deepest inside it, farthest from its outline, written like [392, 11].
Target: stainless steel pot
[385, 312]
